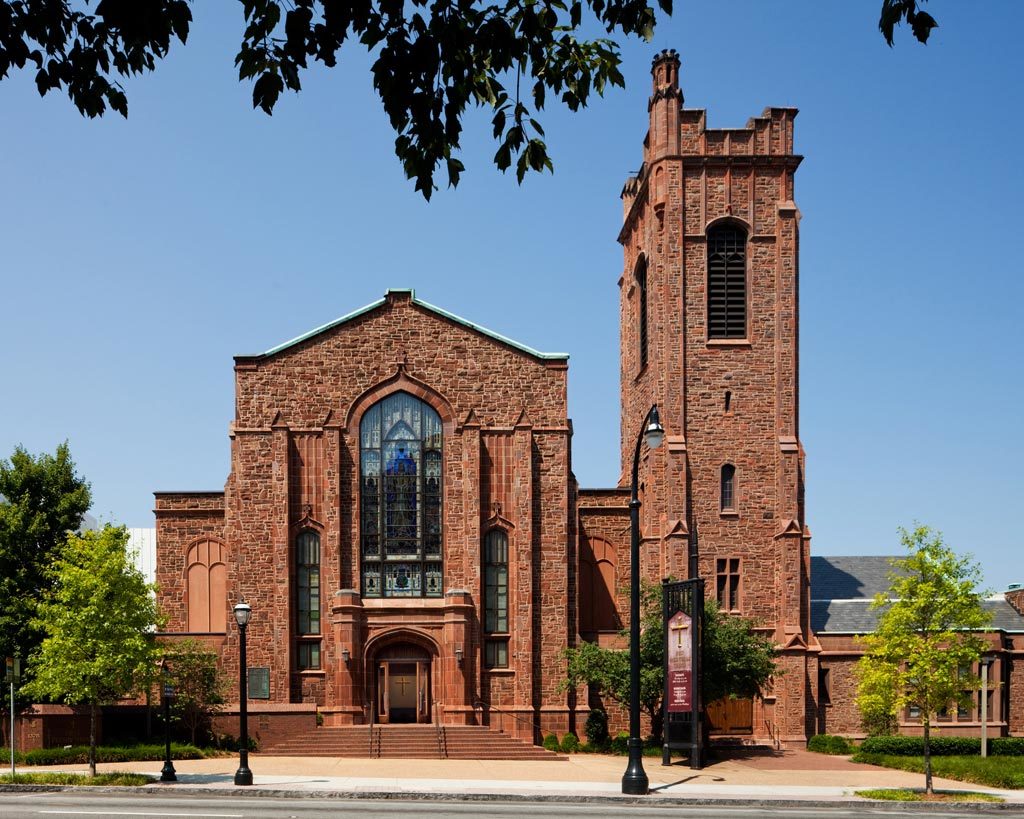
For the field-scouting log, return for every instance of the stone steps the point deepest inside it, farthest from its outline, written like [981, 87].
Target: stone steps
[409, 742]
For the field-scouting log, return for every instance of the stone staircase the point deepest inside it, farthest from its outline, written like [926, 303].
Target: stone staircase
[409, 742]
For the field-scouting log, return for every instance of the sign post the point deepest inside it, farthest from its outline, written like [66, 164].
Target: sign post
[683, 612]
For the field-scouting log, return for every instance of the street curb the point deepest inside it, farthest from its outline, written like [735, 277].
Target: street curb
[522, 798]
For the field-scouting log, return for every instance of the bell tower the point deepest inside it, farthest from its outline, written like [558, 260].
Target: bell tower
[709, 331]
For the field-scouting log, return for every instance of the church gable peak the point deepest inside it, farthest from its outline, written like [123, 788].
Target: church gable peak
[394, 298]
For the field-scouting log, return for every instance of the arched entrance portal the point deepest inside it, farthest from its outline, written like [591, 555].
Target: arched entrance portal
[402, 683]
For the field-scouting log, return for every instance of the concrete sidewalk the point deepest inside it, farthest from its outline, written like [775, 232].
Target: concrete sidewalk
[779, 776]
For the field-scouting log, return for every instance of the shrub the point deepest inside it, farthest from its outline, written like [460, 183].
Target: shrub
[596, 728]
[119, 779]
[830, 744]
[1006, 746]
[570, 744]
[914, 746]
[228, 742]
[620, 745]
[551, 742]
[79, 754]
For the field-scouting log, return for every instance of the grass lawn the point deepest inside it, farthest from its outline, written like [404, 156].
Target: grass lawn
[76, 779]
[994, 771]
[909, 795]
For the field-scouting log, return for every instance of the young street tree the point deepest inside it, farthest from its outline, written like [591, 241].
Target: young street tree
[198, 685]
[41, 500]
[924, 650]
[736, 661]
[98, 622]
[431, 59]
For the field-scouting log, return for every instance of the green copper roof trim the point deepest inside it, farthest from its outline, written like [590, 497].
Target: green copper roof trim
[322, 328]
[426, 305]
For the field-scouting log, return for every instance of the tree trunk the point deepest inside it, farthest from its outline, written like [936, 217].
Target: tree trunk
[92, 739]
[927, 756]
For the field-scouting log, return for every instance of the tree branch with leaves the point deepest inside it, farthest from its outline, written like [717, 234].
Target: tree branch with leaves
[737, 660]
[433, 59]
[99, 621]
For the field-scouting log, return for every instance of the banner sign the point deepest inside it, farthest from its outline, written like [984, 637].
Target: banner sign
[680, 663]
[683, 616]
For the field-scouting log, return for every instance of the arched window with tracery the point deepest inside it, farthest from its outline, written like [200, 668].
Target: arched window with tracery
[727, 282]
[400, 457]
[206, 586]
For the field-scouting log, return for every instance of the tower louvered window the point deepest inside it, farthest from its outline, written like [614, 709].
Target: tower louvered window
[641, 286]
[727, 282]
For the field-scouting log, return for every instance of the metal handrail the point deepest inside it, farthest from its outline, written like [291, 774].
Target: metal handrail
[369, 708]
[442, 750]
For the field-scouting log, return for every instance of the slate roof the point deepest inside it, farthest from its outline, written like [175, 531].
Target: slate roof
[849, 578]
[842, 589]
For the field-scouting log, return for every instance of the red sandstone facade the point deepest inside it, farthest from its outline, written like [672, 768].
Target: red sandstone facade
[295, 453]
[708, 331]
[506, 469]
[728, 400]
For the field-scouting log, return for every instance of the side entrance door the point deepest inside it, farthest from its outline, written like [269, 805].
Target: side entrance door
[731, 716]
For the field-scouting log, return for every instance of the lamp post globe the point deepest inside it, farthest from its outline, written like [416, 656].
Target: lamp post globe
[243, 776]
[243, 612]
[634, 780]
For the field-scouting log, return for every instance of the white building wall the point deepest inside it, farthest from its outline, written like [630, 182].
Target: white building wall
[142, 547]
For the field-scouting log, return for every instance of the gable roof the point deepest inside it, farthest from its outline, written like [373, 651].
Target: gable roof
[857, 616]
[849, 578]
[842, 590]
[392, 292]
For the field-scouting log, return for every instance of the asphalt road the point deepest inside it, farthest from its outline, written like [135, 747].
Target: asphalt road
[78, 804]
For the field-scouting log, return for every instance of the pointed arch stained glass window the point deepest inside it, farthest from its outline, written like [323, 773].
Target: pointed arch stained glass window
[400, 496]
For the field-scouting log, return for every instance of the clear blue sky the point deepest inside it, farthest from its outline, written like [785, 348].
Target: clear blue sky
[138, 256]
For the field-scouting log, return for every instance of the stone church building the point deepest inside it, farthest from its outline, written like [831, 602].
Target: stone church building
[401, 511]
[403, 518]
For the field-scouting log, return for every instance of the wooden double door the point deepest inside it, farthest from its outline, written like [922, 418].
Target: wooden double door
[731, 716]
[403, 690]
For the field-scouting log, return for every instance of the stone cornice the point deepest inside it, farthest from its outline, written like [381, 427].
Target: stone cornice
[788, 161]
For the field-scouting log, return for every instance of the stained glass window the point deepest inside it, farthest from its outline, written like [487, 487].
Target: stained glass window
[307, 586]
[400, 498]
[496, 599]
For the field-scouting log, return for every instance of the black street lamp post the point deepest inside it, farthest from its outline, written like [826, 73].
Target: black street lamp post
[634, 780]
[167, 773]
[243, 776]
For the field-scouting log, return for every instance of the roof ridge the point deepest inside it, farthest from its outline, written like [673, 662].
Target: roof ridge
[420, 303]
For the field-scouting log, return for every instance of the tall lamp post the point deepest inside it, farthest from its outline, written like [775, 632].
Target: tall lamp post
[243, 776]
[634, 780]
[986, 664]
[167, 773]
